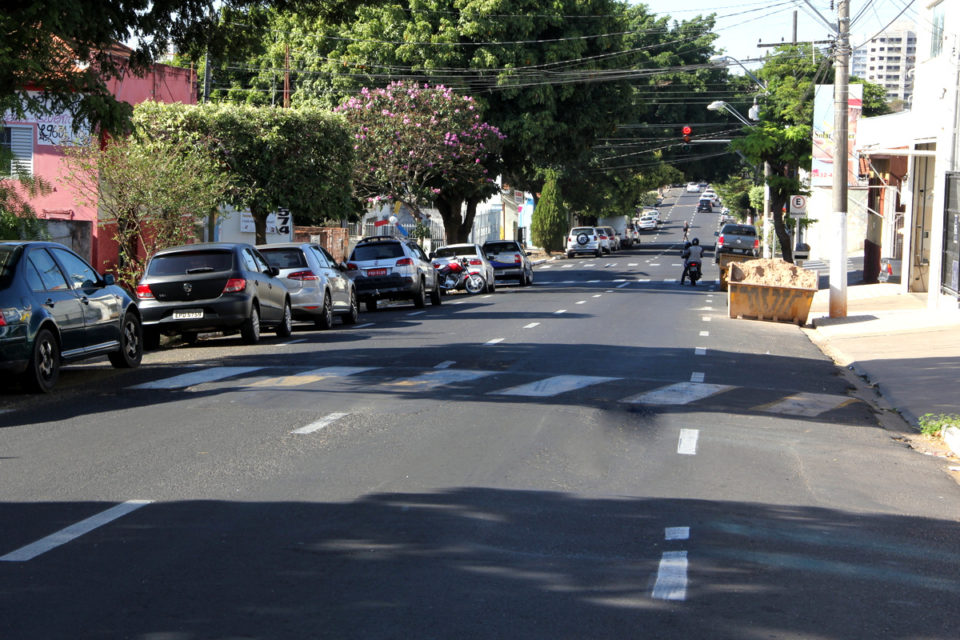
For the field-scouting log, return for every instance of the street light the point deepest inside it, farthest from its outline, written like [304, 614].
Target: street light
[720, 105]
[760, 83]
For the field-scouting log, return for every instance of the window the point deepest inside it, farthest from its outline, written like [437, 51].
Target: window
[936, 34]
[249, 263]
[321, 259]
[81, 274]
[17, 141]
[50, 273]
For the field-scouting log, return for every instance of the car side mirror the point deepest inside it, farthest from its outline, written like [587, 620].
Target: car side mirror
[109, 280]
[432, 255]
[274, 271]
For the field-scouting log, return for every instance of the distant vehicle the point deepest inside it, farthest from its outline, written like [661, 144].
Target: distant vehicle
[704, 206]
[611, 236]
[475, 257]
[55, 308]
[647, 223]
[214, 286]
[509, 260]
[318, 284]
[726, 216]
[737, 238]
[693, 187]
[583, 240]
[390, 268]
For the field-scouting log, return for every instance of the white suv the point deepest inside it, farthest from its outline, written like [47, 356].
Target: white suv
[584, 240]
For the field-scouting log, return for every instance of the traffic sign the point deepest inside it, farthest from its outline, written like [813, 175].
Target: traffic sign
[798, 206]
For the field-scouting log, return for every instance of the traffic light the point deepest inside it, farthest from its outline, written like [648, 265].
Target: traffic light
[686, 133]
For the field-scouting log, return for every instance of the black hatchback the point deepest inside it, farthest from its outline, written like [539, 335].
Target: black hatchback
[217, 286]
[56, 308]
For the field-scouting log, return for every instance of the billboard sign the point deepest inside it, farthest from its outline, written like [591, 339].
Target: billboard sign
[821, 170]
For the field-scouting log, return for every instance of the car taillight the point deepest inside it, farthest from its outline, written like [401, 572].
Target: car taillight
[144, 292]
[351, 266]
[235, 285]
[476, 262]
[720, 240]
[436, 265]
[756, 243]
[516, 258]
[405, 262]
[303, 275]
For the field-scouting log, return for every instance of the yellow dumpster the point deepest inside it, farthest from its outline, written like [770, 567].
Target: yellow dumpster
[764, 302]
[727, 259]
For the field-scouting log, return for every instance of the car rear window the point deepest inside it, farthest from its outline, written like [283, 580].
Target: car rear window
[449, 252]
[7, 259]
[377, 251]
[287, 258]
[739, 230]
[579, 230]
[188, 262]
[500, 247]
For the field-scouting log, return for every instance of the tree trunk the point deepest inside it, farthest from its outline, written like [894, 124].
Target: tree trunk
[453, 223]
[779, 226]
[468, 218]
[260, 224]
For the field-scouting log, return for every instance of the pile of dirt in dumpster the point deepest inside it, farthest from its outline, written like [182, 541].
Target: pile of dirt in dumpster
[773, 272]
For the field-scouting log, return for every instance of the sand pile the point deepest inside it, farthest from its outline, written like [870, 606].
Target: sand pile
[773, 273]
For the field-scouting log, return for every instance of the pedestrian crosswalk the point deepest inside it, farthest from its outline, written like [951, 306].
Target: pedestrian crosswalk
[516, 385]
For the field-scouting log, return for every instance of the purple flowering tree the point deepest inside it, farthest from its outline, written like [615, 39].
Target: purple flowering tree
[421, 146]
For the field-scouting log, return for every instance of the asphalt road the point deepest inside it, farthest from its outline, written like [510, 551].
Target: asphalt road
[602, 455]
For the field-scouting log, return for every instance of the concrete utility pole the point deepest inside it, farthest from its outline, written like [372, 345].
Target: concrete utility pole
[841, 100]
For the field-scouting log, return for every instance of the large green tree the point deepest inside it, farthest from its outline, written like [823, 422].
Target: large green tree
[548, 226]
[296, 159]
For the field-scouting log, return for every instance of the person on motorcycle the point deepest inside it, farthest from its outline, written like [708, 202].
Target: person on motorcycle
[693, 253]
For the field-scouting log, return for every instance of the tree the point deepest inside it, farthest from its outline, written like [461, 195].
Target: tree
[151, 193]
[548, 227]
[783, 135]
[419, 145]
[296, 159]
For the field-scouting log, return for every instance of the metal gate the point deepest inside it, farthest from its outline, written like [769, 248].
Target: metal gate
[950, 271]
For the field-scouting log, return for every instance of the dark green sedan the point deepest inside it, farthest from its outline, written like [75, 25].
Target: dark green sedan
[55, 308]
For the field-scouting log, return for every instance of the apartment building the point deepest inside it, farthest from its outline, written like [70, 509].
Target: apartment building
[889, 60]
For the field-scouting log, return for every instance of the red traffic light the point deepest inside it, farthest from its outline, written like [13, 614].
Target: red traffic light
[687, 131]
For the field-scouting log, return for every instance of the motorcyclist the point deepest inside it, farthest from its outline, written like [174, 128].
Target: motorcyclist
[691, 253]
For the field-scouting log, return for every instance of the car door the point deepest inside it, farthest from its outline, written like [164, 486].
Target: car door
[271, 291]
[424, 266]
[60, 301]
[339, 294]
[101, 306]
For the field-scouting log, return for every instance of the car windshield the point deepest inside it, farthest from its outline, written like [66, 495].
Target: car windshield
[500, 247]
[450, 252]
[377, 251]
[287, 258]
[739, 230]
[174, 264]
[579, 230]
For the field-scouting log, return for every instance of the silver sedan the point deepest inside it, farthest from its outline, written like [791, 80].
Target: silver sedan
[319, 286]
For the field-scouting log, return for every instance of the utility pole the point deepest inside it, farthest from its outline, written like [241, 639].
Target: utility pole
[841, 101]
[286, 77]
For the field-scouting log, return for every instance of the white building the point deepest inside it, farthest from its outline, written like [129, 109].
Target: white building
[917, 151]
[888, 60]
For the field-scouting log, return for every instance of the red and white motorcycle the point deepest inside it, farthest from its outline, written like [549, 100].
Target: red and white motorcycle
[459, 274]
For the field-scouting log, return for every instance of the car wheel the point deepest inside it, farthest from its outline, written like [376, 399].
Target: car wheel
[530, 279]
[44, 366]
[599, 253]
[371, 305]
[325, 319]
[151, 338]
[285, 328]
[190, 337]
[435, 296]
[131, 344]
[570, 255]
[491, 287]
[354, 314]
[419, 297]
[250, 329]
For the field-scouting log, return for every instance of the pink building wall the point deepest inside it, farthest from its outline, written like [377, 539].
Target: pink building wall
[162, 83]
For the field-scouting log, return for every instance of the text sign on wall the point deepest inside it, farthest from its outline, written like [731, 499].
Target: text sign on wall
[276, 222]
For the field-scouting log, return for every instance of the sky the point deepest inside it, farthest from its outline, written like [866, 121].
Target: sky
[742, 24]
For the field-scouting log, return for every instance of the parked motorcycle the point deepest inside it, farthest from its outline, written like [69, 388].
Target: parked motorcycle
[694, 272]
[459, 274]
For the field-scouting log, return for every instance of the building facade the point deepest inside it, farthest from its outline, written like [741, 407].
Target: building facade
[888, 60]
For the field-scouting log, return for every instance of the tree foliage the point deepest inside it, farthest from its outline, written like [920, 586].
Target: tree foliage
[548, 226]
[417, 144]
[296, 159]
[151, 194]
[18, 220]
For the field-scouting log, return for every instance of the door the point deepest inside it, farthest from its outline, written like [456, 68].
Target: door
[61, 302]
[101, 307]
[271, 291]
[339, 291]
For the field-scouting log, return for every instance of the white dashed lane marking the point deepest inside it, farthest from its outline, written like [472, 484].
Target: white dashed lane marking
[319, 424]
[687, 444]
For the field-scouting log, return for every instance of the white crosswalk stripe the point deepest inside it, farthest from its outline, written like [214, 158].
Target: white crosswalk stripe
[552, 386]
[196, 377]
[805, 404]
[679, 393]
[437, 378]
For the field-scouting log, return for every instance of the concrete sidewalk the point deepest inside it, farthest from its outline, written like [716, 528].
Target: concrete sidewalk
[910, 354]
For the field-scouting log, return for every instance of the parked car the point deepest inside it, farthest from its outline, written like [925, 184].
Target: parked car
[318, 285]
[584, 240]
[726, 216]
[216, 286]
[509, 260]
[737, 238]
[471, 252]
[611, 235]
[55, 308]
[391, 268]
[630, 235]
[653, 213]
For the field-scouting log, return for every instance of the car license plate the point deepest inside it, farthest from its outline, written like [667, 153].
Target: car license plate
[188, 314]
[376, 272]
